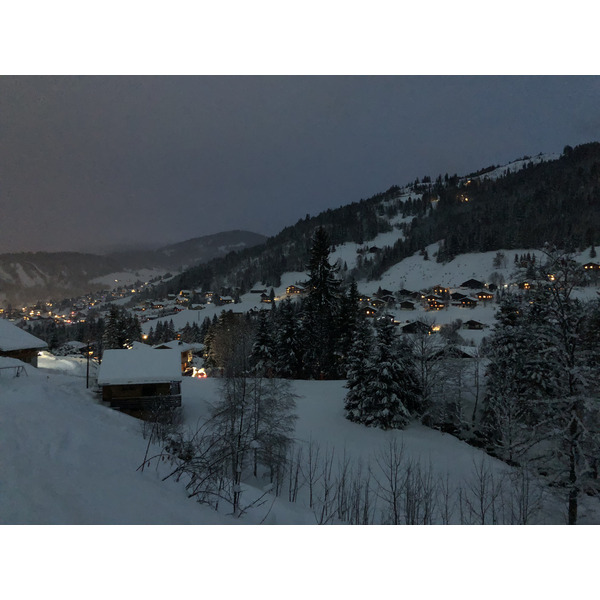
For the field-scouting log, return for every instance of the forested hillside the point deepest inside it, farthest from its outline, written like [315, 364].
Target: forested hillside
[538, 201]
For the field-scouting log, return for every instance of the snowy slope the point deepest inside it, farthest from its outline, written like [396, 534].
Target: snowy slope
[65, 458]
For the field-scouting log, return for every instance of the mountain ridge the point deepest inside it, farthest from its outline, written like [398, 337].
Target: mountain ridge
[31, 276]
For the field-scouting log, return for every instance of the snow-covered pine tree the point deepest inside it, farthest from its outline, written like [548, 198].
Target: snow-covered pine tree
[262, 358]
[320, 311]
[287, 355]
[360, 363]
[389, 384]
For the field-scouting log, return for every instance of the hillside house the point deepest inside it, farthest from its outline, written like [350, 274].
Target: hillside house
[473, 325]
[136, 381]
[468, 302]
[440, 290]
[407, 305]
[485, 296]
[416, 327]
[16, 343]
[185, 350]
[293, 289]
[591, 266]
[457, 296]
[472, 284]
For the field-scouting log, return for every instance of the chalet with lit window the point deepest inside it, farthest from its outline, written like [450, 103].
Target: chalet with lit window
[185, 351]
[440, 290]
[16, 343]
[416, 327]
[369, 311]
[468, 302]
[591, 266]
[377, 303]
[139, 381]
[293, 289]
[436, 305]
[485, 296]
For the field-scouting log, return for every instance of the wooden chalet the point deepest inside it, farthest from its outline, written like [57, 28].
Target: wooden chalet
[472, 284]
[473, 325]
[484, 296]
[293, 289]
[409, 294]
[377, 303]
[457, 296]
[383, 293]
[436, 304]
[16, 343]
[185, 351]
[139, 381]
[407, 305]
[440, 290]
[369, 311]
[468, 302]
[416, 327]
[591, 266]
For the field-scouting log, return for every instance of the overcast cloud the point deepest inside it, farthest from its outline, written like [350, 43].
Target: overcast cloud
[94, 162]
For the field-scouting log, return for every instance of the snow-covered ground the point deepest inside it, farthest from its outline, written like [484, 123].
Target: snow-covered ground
[65, 458]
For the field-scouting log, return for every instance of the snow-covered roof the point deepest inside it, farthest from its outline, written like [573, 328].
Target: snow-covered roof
[13, 338]
[174, 345]
[123, 367]
[140, 346]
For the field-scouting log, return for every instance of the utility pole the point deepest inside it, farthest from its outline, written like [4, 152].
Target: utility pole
[87, 372]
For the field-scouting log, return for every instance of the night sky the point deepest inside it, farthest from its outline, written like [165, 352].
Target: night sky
[93, 163]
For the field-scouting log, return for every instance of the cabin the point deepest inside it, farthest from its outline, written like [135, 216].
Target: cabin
[16, 343]
[485, 296]
[440, 290]
[436, 305]
[139, 381]
[408, 294]
[473, 325]
[472, 284]
[457, 296]
[416, 327]
[383, 293]
[369, 311]
[468, 302]
[184, 349]
[377, 303]
[293, 289]
[591, 266]
[407, 305]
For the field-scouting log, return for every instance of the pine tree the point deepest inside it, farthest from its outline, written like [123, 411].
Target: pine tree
[262, 358]
[386, 388]
[359, 370]
[287, 354]
[320, 311]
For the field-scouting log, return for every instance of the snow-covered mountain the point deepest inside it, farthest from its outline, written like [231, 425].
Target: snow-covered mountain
[29, 277]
